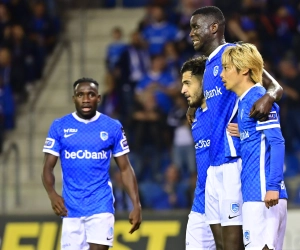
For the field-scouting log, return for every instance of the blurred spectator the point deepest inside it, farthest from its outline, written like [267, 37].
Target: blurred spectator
[130, 69]
[290, 104]
[12, 75]
[183, 150]
[173, 60]
[5, 19]
[22, 51]
[19, 9]
[1, 118]
[159, 31]
[160, 82]
[110, 101]
[7, 107]
[43, 32]
[171, 194]
[115, 49]
[147, 145]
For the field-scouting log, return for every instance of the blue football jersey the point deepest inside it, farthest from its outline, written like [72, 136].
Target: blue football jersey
[201, 136]
[262, 149]
[221, 107]
[85, 148]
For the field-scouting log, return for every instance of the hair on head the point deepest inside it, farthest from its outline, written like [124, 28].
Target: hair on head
[195, 65]
[85, 79]
[212, 11]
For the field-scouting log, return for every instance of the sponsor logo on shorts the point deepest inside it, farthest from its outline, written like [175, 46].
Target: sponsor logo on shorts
[231, 217]
[110, 233]
[235, 207]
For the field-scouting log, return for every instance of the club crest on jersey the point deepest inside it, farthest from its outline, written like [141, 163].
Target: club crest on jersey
[247, 235]
[103, 135]
[49, 143]
[216, 70]
[235, 207]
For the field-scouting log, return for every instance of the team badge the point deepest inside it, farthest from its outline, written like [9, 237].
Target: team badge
[235, 207]
[103, 135]
[216, 70]
[247, 235]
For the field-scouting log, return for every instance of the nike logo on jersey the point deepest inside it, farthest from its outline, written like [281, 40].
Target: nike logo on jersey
[231, 217]
[247, 244]
[66, 136]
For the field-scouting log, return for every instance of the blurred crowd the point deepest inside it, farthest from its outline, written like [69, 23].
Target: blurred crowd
[143, 88]
[28, 33]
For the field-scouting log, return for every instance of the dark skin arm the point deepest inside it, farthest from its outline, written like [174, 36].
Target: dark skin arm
[131, 187]
[48, 178]
[262, 107]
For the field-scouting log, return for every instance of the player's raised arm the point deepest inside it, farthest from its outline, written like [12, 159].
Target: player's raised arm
[48, 178]
[262, 107]
[130, 184]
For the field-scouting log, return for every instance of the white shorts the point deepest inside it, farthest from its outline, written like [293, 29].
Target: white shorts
[78, 232]
[198, 233]
[223, 196]
[263, 226]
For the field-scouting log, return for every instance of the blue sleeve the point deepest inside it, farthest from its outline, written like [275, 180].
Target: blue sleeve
[52, 143]
[276, 141]
[120, 146]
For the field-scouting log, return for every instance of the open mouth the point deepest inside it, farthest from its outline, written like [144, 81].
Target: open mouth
[195, 42]
[86, 109]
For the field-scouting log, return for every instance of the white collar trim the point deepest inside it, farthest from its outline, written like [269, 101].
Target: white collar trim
[86, 120]
[212, 54]
[246, 92]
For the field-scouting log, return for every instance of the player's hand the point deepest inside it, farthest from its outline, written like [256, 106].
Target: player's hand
[262, 107]
[233, 129]
[135, 218]
[58, 205]
[271, 198]
[190, 115]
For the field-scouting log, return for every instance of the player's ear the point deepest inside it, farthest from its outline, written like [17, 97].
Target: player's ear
[245, 71]
[99, 98]
[214, 28]
[73, 98]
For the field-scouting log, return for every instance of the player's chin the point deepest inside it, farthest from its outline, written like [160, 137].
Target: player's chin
[88, 114]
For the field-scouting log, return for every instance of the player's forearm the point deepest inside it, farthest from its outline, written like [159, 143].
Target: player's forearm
[48, 179]
[277, 147]
[130, 184]
[272, 86]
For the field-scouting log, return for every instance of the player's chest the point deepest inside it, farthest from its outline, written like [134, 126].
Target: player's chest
[85, 137]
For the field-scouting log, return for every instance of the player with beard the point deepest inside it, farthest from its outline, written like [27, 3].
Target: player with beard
[223, 199]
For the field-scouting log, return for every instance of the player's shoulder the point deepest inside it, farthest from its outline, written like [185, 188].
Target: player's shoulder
[255, 93]
[109, 121]
[66, 118]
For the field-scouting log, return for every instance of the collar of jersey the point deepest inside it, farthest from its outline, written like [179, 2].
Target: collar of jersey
[247, 91]
[85, 120]
[212, 54]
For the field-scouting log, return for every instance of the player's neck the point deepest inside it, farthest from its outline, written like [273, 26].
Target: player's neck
[213, 45]
[243, 87]
[203, 105]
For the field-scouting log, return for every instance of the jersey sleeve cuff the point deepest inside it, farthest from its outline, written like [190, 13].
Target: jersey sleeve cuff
[258, 128]
[121, 153]
[51, 152]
